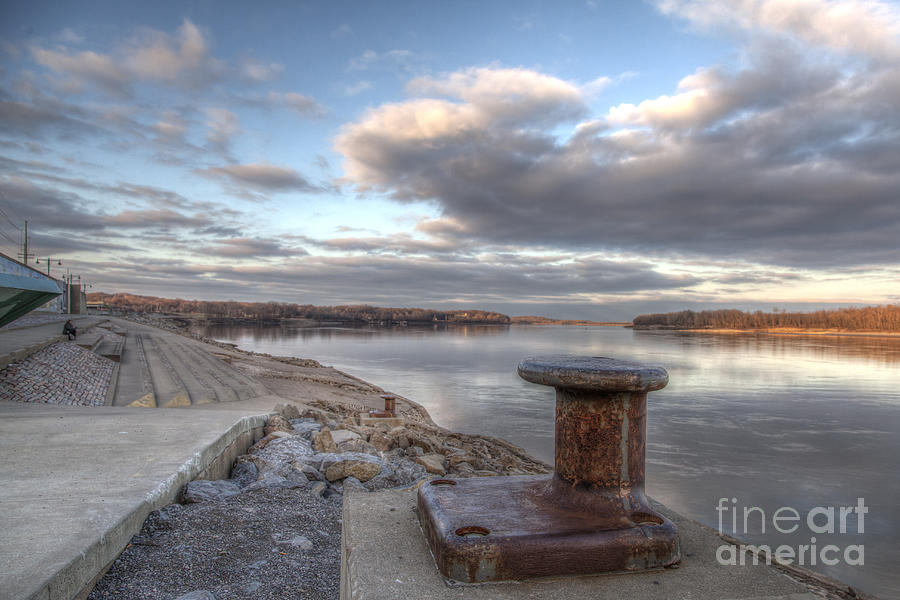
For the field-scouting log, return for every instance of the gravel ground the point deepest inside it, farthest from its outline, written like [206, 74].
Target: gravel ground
[262, 544]
[62, 373]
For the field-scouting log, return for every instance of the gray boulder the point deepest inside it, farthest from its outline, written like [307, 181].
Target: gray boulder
[342, 435]
[285, 450]
[210, 491]
[244, 473]
[352, 485]
[278, 475]
[308, 470]
[357, 445]
[305, 427]
[403, 473]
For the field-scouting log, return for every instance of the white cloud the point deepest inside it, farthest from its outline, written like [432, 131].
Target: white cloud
[358, 87]
[261, 177]
[342, 31]
[784, 160]
[86, 68]
[858, 26]
[69, 36]
[221, 126]
[260, 72]
[182, 60]
[364, 60]
[595, 87]
[303, 105]
[368, 58]
[507, 94]
[171, 128]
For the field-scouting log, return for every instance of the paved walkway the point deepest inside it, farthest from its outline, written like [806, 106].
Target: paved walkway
[19, 342]
[38, 319]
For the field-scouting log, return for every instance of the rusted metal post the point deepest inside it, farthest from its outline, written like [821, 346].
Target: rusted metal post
[590, 516]
[390, 407]
[390, 404]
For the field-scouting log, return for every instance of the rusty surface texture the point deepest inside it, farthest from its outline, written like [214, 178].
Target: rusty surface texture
[596, 373]
[590, 516]
[390, 407]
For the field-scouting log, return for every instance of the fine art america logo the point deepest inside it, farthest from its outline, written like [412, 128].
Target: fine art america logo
[821, 520]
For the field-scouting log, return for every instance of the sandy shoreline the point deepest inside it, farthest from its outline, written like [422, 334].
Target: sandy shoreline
[308, 382]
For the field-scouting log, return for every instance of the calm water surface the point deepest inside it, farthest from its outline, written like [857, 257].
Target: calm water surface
[772, 421]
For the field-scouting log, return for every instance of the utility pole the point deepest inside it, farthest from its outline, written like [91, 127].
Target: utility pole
[25, 256]
[68, 292]
[49, 260]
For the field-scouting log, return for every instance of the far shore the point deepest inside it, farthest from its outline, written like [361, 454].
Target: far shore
[781, 331]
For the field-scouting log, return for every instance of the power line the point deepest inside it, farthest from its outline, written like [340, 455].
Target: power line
[11, 241]
[2, 212]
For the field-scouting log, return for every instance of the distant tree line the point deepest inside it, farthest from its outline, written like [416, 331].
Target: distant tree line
[869, 318]
[274, 311]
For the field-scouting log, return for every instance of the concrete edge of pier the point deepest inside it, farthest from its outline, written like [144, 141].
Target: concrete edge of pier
[384, 555]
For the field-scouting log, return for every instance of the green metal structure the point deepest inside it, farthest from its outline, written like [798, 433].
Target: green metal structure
[20, 295]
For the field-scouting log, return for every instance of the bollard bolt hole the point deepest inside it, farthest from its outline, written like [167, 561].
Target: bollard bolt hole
[472, 531]
[642, 518]
[443, 482]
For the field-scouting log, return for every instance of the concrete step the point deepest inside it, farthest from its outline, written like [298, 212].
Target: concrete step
[89, 341]
[168, 388]
[114, 329]
[255, 387]
[111, 349]
[134, 385]
[218, 370]
[166, 370]
[200, 389]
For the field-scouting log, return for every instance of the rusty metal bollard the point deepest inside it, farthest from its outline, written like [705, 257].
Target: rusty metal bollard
[390, 407]
[590, 516]
[390, 404]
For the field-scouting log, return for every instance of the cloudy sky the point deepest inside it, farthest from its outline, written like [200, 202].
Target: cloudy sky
[584, 159]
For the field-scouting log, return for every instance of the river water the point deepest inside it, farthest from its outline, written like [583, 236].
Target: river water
[762, 421]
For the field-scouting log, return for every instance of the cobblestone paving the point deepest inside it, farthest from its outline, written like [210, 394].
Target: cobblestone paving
[62, 373]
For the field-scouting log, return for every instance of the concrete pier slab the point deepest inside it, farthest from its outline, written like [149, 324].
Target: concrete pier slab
[79, 482]
[384, 556]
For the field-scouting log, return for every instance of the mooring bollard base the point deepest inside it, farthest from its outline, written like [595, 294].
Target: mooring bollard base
[510, 528]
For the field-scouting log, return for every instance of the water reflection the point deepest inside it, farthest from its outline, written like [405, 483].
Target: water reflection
[287, 332]
[799, 421]
[878, 349]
